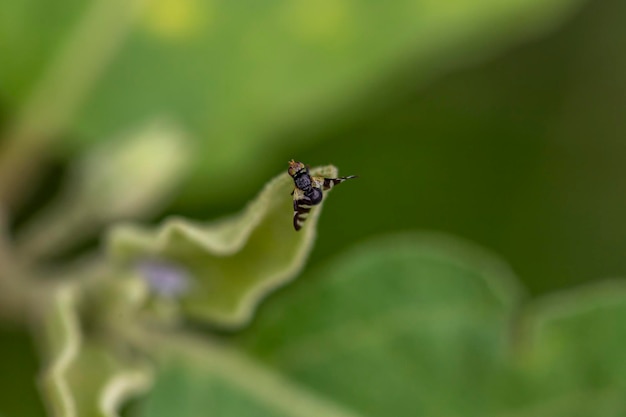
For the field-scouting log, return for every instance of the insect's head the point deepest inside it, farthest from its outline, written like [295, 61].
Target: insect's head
[294, 167]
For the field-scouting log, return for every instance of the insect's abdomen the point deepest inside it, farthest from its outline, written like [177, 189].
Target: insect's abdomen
[301, 214]
[315, 195]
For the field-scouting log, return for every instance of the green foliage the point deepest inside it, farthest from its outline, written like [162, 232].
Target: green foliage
[232, 262]
[126, 178]
[237, 74]
[410, 325]
[521, 153]
[88, 373]
[129, 97]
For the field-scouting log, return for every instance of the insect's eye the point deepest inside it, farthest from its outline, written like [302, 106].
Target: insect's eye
[294, 167]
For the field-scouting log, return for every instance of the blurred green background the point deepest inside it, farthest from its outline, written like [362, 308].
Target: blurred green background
[501, 124]
[522, 152]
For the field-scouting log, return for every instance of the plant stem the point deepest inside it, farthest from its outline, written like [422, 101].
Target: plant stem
[58, 95]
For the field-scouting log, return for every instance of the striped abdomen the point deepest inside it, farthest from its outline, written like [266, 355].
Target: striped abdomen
[302, 207]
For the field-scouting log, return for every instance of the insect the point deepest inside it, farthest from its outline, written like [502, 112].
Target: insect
[308, 191]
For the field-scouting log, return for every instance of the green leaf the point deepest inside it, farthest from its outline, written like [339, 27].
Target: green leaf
[88, 373]
[231, 263]
[410, 325]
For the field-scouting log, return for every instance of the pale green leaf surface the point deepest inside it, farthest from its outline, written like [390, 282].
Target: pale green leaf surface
[86, 374]
[232, 262]
[416, 325]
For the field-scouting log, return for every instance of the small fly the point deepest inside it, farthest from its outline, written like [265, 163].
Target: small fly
[308, 191]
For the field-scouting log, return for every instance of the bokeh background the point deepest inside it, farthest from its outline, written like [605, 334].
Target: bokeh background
[503, 123]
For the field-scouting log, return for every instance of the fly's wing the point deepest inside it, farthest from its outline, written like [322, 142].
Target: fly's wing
[302, 204]
[328, 183]
[301, 208]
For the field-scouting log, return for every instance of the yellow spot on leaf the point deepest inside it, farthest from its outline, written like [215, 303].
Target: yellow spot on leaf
[177, 19]
[320, 20]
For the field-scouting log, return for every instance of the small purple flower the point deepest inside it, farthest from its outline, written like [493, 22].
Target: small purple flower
[164, 278]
